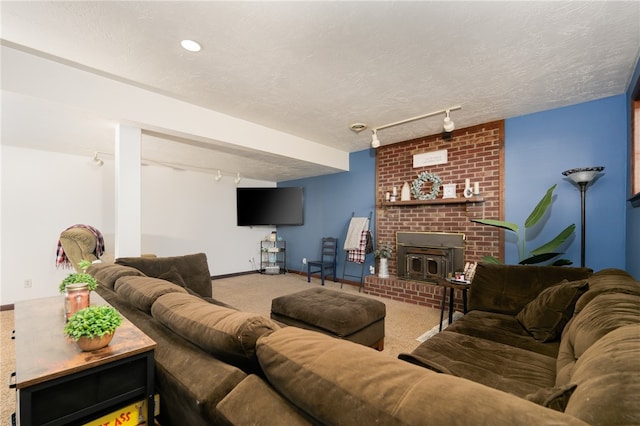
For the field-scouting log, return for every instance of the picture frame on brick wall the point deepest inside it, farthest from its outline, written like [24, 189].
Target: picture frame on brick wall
[430, 158]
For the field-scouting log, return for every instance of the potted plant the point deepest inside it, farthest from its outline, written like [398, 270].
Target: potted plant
[93, 327]
[384, 253]
[540, 254]
[77, 287]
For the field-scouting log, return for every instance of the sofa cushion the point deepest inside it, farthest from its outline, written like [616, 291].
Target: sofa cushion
[546, 315]
[608, 379]
[603, 314]
[216, 329]
[236, 409]
[370, 388]
[193, 268]
[172, 275]
[506, 289]
[501, 328]
[513, 370]
[142, 292]
[108, 273]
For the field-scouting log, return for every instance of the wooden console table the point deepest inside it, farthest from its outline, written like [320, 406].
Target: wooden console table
[58, 384]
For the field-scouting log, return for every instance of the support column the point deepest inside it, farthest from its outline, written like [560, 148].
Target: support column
[128, 234]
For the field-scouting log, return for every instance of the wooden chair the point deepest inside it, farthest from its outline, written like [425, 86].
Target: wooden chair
[327, 263]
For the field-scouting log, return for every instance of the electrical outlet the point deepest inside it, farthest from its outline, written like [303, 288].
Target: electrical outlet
[28, 283]
[304, 260]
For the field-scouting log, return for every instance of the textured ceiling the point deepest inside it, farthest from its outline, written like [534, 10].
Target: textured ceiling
[312, 68]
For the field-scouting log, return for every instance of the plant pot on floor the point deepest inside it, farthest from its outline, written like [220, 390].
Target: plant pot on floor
[383, 272]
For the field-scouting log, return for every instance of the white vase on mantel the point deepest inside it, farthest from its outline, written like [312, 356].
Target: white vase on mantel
[405, 195]
[383, 272]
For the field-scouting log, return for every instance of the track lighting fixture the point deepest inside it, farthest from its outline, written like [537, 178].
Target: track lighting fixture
[448, 124]
[98, 161]
[218, 175]
[375, 143]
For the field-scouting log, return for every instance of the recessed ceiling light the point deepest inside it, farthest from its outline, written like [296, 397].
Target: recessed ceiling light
[358, 127]
[191, 45]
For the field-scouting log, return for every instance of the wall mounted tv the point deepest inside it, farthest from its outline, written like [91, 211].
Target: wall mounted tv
[270, 206]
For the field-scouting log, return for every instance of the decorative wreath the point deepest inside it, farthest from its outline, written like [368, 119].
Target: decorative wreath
[416, 187]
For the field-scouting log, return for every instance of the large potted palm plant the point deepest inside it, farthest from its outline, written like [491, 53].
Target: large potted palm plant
[540, 254]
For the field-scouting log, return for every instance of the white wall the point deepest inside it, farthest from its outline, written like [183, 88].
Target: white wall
[189, 212]
[43, 193]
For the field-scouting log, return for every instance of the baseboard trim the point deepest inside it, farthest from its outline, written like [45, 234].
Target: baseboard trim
[289, 271]
[9, 307]
[235, 274]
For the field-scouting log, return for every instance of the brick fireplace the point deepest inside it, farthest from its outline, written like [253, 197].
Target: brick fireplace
[474, 153]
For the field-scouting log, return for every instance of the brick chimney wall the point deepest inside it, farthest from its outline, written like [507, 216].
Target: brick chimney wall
[475, 153]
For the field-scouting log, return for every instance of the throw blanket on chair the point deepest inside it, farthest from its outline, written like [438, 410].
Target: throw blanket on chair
[61, 257]
[365, 246]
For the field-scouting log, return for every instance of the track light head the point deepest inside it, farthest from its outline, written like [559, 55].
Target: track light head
[237, 179]
[375, 143]
[448, 124]
[218, 176]
[97, 161]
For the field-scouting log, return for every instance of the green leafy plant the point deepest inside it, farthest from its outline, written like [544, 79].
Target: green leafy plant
[94, 321]
[383, 251]
[543, 253]
[77, 278]
[84, 264]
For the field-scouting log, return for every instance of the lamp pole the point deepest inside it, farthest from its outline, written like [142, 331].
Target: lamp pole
[583, 194]
[583, 176]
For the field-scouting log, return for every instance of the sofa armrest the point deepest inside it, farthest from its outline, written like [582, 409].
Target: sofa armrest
[78, 244]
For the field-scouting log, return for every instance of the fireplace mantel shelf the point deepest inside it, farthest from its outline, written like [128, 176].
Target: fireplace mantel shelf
[433, 202]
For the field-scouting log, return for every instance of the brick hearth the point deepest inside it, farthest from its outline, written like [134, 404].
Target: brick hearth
[417, 293]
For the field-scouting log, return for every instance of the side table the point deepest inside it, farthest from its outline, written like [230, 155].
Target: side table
[451, 286]
[58, 384]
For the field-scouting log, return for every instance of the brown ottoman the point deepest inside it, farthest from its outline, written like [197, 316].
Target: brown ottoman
[343, 315]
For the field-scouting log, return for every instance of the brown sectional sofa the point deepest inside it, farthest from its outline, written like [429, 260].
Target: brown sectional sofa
[216, 365]
[572, 345]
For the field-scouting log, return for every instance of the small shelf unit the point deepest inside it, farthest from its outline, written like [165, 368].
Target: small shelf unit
[273, 257]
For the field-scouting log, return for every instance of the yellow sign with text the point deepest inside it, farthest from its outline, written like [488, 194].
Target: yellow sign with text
[131, 415]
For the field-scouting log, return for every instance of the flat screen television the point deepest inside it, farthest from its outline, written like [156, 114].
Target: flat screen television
[270, 206]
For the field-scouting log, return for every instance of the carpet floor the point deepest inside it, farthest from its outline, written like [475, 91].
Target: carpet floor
[404, 322]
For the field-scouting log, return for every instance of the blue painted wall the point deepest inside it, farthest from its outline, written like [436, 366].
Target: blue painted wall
[539, 147]
[328, 203]
[633, 214]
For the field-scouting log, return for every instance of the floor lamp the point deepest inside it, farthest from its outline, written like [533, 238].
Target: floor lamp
[582, 176]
